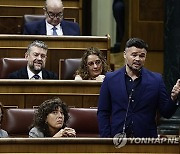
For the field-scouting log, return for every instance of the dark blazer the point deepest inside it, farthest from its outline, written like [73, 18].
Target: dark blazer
[39, 28]
[22, 74]
[113, 102]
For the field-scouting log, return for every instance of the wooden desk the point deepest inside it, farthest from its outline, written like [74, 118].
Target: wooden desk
[12, 13]
[31, 93]
[80, 145]
[60, 47]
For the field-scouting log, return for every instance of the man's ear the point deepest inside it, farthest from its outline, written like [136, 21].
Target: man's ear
[124, 54]
[26, 55]
[44, 9]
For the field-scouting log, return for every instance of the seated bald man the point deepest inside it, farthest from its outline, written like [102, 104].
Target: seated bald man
[53, 24]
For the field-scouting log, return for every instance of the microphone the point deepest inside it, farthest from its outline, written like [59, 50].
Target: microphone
[125, 119]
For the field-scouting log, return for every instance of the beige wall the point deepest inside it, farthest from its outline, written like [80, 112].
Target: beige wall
[102, 19]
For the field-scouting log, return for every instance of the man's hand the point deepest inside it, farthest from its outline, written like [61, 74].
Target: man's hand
[176, 90]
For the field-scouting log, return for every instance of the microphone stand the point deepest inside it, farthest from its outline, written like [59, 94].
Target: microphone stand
[124, 126]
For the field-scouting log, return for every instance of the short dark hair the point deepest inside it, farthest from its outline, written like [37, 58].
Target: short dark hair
[136, 42]
[44, 109]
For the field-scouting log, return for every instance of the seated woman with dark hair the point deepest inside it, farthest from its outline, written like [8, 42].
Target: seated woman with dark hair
[50, 120]
[3, 133]
[93, 65]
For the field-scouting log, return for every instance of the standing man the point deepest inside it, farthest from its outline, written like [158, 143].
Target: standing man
[131, 96]
[53, 24]
[119, 16]
[36, 56]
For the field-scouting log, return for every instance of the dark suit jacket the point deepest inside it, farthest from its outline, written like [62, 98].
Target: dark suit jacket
[113, 102]
[22, 74]
[39, 28]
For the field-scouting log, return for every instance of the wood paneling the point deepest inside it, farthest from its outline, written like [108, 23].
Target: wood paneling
[145, 19]
[60, 47]
[12, 12]
[151, 10]
[146, 23]
[31, 93]
[81, 145]
[154, 61]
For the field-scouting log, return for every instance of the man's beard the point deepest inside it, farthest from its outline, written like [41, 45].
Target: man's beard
[35, 71]
[134, 69]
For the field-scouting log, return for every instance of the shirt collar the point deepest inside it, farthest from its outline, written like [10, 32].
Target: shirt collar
[31, 74]
[140, 73]
[49, 26]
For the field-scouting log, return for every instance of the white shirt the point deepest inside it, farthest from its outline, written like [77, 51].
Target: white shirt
[98, 78]
[78, 78]
[31, 74]
[49, 30]
[3, 133]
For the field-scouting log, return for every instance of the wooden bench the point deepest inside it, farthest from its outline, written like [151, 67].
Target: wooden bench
[17, 122]
[82, 145]
[12, 13]
[60, 47]
[31, 93]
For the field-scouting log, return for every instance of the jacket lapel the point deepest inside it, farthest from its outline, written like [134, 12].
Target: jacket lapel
[121, 87]
[24, 73]
[124, 92]
[45, 74]
[63, 26]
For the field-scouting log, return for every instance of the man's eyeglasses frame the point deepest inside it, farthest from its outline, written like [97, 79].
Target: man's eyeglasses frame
[53, 15]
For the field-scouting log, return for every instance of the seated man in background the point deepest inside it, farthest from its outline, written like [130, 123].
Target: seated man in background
[93, 65]
[3, 133]
[36, 56]
[54, 23]
[50, 120]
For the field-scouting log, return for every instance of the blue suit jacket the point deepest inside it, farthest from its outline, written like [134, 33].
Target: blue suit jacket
[113, 102]
[39, 28]
[23, 74]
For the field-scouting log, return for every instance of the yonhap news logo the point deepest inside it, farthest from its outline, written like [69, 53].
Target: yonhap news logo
[120, 140]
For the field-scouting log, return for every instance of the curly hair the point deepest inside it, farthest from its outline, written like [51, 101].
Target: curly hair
[1, 107]
[44, 109]
[83, 69]
[2, 110]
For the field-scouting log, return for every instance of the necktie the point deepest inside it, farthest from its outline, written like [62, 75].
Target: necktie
[36, 76]
[54, 31]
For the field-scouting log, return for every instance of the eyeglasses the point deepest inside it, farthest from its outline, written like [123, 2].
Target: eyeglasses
[97, 62]
[53, 15]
